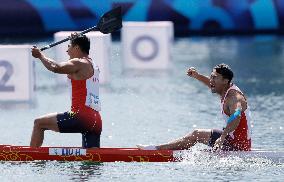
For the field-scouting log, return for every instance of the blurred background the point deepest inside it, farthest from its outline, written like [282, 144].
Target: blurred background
[145, 94]
[34, 17]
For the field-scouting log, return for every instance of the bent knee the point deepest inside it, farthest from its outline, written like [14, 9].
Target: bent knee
[192, 135]
[201, 133]
[38, 123]
[195, 132]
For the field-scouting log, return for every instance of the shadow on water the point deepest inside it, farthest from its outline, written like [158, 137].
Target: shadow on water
[85, 170]
[78, 171]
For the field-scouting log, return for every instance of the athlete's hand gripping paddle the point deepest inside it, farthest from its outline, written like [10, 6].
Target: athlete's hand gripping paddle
[108, 23]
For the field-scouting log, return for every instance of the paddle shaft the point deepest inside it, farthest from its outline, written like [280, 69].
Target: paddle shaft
[94, 28]
[109, 22]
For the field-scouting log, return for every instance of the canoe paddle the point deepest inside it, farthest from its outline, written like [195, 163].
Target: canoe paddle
[108, 23]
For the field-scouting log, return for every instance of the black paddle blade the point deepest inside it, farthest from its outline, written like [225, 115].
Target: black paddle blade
[110, 21]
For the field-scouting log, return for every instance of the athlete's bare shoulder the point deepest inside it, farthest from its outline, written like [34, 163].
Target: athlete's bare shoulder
[85, 68]
[81, 63]
[235, 96]
[78, 60]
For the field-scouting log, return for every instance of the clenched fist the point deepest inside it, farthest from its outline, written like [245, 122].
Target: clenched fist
[36, 52]
[192, 72]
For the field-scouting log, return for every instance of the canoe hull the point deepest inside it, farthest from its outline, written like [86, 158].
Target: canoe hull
[24, 153]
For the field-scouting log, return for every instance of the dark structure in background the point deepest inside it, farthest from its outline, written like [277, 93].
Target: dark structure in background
[33, 17]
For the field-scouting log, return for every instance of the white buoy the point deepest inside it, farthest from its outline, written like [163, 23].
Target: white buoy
[147, 45]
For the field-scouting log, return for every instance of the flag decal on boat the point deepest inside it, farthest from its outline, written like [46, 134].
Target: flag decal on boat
[67, 151]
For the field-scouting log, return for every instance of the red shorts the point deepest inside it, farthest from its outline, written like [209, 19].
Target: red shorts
[88, 122]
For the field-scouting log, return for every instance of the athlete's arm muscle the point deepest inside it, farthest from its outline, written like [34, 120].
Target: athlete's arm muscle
[234, 103]
[192, 72]
[69, 67]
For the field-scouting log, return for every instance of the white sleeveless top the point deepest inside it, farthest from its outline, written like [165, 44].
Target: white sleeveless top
[92, 85]
[86, 92]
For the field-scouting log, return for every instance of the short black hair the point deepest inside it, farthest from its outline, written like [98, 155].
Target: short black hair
[83, 42]
[225, 71]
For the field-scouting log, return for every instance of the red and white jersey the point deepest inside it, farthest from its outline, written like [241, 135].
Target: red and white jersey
[86, 92]
[241, 136]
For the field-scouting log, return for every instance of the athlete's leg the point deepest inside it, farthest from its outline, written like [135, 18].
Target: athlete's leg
[90, 140]
[197, 136]
[46, 122]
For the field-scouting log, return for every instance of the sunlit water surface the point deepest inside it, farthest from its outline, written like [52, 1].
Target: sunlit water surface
[155, 107]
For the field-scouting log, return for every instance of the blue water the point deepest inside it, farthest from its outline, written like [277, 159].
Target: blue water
[155, 107]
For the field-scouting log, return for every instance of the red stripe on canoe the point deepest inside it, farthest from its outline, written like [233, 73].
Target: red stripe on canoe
[23, 153]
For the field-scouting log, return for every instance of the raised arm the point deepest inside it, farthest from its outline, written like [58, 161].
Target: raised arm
[192, 72]
[69, 67]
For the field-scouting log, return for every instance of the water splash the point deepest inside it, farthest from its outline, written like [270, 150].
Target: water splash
[202, 157]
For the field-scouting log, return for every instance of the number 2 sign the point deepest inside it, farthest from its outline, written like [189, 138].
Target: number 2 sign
[16, 73]
[8, 72]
